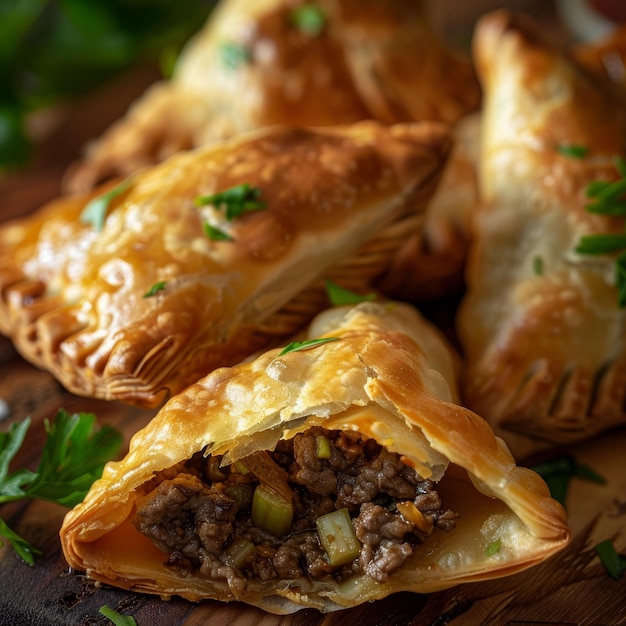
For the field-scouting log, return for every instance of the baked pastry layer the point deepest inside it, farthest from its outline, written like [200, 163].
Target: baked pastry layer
[385, 377]
[170, 285]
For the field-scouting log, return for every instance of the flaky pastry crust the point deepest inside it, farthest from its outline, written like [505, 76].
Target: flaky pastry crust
[389, 376]
[252, 66]
[337, 204]
[541, 326]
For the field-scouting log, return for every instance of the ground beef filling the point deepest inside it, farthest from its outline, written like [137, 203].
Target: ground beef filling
[200, 514]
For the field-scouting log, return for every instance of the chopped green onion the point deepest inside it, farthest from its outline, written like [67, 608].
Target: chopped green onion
[571, 150]
[614, 563]
[337, 537]
[340, 296]
[96, 209]
[296, 346]
[537, 266]
[239, 553]
[236, 200]
[160, 286]
[215, 234]
[270, 511]
[322, 447]
[234, 55]
[309, 19]
[118, 619]
[493, 547]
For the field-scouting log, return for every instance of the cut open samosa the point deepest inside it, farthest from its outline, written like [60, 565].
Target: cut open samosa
[333, 472]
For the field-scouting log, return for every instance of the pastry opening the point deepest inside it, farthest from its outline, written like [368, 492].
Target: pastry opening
[324, 505]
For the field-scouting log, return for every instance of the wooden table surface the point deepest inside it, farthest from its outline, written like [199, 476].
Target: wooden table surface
[570, 589]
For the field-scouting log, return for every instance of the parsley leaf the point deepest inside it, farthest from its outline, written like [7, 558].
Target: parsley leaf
[558, 471]
[233, 55]
[235, 200]
[493, 548]
[19, 544]
[340, 296]
[572, 150]
[158, 286]
[309, 19]
[296, 346]
[613, 562]
[96, 209]
[609, 199]
[602, 243]
[215, 234]
[118, 619]
[73, 456]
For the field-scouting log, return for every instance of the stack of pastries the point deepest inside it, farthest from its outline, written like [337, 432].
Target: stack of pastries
[310, 455]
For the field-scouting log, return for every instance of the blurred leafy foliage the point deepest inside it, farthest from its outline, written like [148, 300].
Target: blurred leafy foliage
[55, 50]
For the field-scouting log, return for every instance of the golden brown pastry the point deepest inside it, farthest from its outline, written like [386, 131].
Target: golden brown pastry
[256, 64]
[167, 289]
[607, 57]
[541, 327]
[325, 477]
[431, 264]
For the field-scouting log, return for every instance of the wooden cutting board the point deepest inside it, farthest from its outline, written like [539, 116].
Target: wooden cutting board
[570, 589]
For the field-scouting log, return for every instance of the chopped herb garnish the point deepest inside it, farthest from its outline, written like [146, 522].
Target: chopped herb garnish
[340, 296]
[234, 55]
[572, 150]
[118, 619]
[235, 201]
[537, 266]
[603, 243]
[609, 199]
[295, 346]
[557, 473]
[608, 196]
[309, 19]
[493, 547]
[96, 209]
[160, 286]
[613, 562]
[73, 457]
[215, 234]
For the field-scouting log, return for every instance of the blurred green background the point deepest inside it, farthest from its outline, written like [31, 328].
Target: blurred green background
[52, 51]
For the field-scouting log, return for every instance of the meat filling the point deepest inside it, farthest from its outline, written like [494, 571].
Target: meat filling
[214, 521]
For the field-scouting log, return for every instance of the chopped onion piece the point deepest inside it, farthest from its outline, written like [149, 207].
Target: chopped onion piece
[412, 514]
[337, 537]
